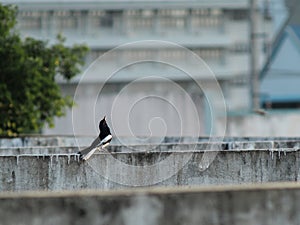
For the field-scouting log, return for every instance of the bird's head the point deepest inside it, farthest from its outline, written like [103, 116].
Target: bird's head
[102, 122]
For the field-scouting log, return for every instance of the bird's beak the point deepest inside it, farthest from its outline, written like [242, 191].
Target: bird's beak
[104, 117]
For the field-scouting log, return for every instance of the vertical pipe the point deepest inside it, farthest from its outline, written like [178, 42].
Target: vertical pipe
[254, 56]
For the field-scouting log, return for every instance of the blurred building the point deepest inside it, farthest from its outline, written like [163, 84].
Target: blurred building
[281, 73]
[217, 31]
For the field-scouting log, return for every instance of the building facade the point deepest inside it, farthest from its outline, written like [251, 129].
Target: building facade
[216, 31]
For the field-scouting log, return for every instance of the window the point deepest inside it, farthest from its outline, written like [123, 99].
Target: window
[173, 13]
[30, 20]
[104, 19]
[240, 14]
[201, 12]
[172, 22]
[241, 47]
[209, 53]
[66, 19]
[173, 18]
[206, 17]
[94, 18]
[140, 19]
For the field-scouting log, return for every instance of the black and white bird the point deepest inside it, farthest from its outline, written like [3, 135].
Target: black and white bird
[100, 142]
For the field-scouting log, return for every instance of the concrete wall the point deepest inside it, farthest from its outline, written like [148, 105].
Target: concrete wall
[64, 171]
[223, 182]
[273, 204]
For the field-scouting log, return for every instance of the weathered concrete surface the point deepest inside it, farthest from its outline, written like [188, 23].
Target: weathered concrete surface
[65, 172]
[267, 204]
[164, 146]
[69, 141]
[29, 141]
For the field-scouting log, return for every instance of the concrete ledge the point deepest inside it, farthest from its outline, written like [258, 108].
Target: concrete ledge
[268, 204]
[29, 141]
[69, 141]
[65, 172]
[282, 145]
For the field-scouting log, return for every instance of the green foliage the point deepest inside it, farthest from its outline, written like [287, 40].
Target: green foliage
[29, 95]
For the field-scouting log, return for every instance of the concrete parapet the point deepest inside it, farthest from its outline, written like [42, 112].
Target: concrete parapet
[282, 145]
[31, 141]
[65, 172]
[268, 204]
[71, 141]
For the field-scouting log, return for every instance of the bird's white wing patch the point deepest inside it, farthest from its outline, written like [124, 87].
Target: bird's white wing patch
[106, 139]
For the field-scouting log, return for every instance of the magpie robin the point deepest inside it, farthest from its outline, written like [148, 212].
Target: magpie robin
[101, 141]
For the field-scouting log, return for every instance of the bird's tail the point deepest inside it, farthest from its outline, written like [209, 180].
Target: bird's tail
[85, 154]
[89, 150]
